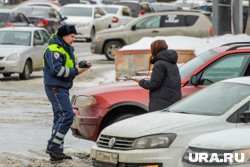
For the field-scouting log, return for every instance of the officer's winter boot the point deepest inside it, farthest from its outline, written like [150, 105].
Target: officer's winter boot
[57, 155]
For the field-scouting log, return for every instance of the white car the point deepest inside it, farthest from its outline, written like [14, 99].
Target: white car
[22, 50]
[88, 19]
[160, 138]
[230, 143]
[121, 14]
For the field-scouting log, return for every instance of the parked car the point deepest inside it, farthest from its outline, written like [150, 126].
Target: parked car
[88, 19]
[160, 138]
[136, 7]
[231, 141]
[22, 50]
[9, 18]
[150, 25]
[121, 14]
[42, 16]
[97, 107]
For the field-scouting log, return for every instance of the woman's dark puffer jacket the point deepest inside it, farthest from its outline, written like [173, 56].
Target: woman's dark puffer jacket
[165, 83]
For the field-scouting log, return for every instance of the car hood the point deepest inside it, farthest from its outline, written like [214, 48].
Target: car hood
[112, 30]
[78, 20]
[152, 123]
[7, 50]
[236, 138]
[118, 86]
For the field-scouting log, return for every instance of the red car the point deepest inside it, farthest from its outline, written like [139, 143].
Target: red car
[97, 107]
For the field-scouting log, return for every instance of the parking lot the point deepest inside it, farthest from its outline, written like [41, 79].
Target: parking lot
[26, 115]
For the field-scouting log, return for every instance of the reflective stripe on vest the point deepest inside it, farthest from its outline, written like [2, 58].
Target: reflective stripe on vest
[54, 48]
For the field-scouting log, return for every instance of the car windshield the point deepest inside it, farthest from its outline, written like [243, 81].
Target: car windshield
[76, 11]
[187, 68]
[15, 38]
[111, 10]
[215, 100]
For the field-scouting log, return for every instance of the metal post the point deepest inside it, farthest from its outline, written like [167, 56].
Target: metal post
[215, 18]
[237, 17]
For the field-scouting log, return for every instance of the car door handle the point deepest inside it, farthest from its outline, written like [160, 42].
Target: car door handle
[155, 31]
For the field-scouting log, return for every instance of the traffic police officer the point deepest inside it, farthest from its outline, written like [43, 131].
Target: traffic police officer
[59, 71]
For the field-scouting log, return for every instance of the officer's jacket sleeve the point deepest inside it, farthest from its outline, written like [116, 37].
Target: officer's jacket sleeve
[55, 61]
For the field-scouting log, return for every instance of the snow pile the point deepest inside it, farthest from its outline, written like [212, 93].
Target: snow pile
[199, 45]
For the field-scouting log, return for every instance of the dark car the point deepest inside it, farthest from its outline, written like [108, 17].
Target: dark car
[8, 18]
[137, 8]
[42, 16]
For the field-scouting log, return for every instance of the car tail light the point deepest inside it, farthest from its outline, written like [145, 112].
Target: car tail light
[140, 13]
[42, 23]
[211, 31]
[9, 24]
[115, 20]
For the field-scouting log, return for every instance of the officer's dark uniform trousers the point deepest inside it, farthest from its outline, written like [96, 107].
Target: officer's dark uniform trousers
[63, 115]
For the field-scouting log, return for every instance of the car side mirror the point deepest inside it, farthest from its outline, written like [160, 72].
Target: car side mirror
[194, 80]
[31, 22]
[133, 28]
[64, 18]
[38, 42]
[245, 117]
[98, 15]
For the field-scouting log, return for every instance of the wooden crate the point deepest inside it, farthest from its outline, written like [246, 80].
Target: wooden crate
[130, 62]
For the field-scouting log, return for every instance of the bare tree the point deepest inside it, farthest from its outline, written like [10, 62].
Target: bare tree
[248, 22]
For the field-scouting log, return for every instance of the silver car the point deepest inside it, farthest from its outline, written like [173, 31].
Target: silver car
[183, 23]
[22, 50]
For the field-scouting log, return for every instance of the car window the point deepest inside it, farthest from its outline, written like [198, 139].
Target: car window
[173, 20]
[4, 17]
[16, 18]
[220, 97]
[227, 67]
[37, 35]
[191, 19]
[44, 35]
[76, 11]
[187, 68]
[15, 38]
[149, 22]
[111, 10]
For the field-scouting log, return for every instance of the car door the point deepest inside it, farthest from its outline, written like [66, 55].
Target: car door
[39, 45]
[147, 27]
[228, 66]
[102, 20]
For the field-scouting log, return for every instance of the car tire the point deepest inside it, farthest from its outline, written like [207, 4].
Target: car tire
[110, 47]
[26, 71]
[7, 75]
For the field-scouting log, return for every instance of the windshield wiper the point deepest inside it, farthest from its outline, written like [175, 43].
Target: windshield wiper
[8, 43]
[183, 112]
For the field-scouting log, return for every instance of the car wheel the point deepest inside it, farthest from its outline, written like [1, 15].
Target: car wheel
[6, 74]
[110, 47]
[26, 71]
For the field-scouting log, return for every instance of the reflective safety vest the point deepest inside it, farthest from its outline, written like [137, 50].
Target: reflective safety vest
[56, 48]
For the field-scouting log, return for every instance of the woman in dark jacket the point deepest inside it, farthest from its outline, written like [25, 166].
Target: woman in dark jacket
[165, 83]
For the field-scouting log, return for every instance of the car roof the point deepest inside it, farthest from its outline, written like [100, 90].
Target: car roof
[7, 11]
[21, 28]
[115, 6]
[174, 12]
[81, 5]
[239, 80]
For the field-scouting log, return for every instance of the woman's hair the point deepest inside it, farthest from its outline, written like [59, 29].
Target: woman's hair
[156, 47]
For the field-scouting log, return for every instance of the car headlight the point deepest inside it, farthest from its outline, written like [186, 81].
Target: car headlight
[238, 159]
[154, 141]
[13, 57]
[84, 101]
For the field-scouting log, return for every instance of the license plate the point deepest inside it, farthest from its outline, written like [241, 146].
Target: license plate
[107, 157]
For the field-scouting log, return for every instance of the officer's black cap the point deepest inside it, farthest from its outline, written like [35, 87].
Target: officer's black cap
[66, 29]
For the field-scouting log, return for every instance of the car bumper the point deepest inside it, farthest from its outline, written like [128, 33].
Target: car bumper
[82, 33]
[10, 66]
[87, 126]
[96, 47]
[166, 157]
